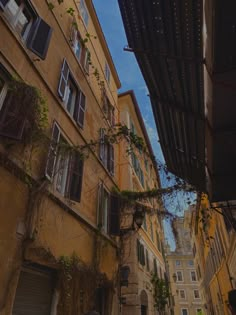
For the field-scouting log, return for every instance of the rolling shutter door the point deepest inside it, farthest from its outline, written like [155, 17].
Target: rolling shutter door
[34, 293]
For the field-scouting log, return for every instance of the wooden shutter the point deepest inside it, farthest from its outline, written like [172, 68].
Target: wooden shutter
[155, 266]
[39, 38]
[81, 109]
[87, 61]
[73, 32]
[52, 154]
[65, 71]
[102, 144]
[111, 162]
[114, 215]
[34, 293]
[14, 113]
[100, 212]
[3, 4]
[76, 176]
[142, 255]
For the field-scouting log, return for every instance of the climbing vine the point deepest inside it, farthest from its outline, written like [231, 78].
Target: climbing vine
[161, 293]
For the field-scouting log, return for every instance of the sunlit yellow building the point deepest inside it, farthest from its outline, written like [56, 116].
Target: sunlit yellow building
[213, 250]
[57, 246]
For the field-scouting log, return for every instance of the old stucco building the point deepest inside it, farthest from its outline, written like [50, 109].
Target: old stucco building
[182, 271]
[53, 235]
[143, 250]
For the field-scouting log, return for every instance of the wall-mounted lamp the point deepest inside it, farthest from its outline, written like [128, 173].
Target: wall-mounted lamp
[138, 218]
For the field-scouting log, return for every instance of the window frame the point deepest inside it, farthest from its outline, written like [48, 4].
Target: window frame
[72, 162]
[83, 10]
[178, 264]
[107, 72]
[36, 28]
[191, 278]
[177, 280]
[196, 298]
[184, 309]
[182, 298]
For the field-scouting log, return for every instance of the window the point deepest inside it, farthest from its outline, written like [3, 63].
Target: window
[108, 212]
[182, 294]
[73, 98]
[137, 168]
[184, 311]
[147, 260]
[151, 229]
[144, 222]
[140, 253]
[177, 263]
[199, 311]
[14, 106]
[34, 31]
[158, 241]
[108, 109]
[84, 12]
[190, 263]
[107, 72]
[193, 276]
[65, 170]
[106, 153]
[179, 276]
[196, 294]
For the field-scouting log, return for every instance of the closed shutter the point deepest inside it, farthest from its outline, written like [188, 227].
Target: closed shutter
[65, 71]
[39, 38]
[147, 259]
[138, 250]
[81, 109]
[52, 154]
[76, 176]
[100, 209]
[73, 32]
[114, 215]
[155, 266]
[34, 293]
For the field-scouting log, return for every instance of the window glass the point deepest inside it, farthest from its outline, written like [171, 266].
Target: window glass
[70, 97]
[78, 49]
[184, 311]
[190, 262]
[196, 294]
[177, 263]
[182, 294]
[62, 169]
[84, 12]
[193, 276]
[179, 276]
[107, 72]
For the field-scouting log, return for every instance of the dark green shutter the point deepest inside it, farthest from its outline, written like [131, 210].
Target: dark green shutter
[114, 215]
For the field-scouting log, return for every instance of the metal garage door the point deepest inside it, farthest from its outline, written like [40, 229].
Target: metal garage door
[34, 293]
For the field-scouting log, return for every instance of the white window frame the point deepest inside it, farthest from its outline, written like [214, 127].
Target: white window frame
[70, 83]
[196, 298]
[13, 19]
[177, 280]
[182, 309]
[182, 298]
[191, 276]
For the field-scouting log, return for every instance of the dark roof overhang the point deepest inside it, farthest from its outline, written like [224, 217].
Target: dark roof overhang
[166, 37]
[220, 84]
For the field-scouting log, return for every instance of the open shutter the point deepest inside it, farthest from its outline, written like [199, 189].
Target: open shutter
[114, 215]
[39, 38]
[3, 4]
[100, 212]
[102, 144]
[81, 109]
[87, 61]
[15, 111]
[73, 32]
[63, 79]
[52, 154]
[76, 176]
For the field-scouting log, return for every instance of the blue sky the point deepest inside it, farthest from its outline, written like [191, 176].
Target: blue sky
[130, 76]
